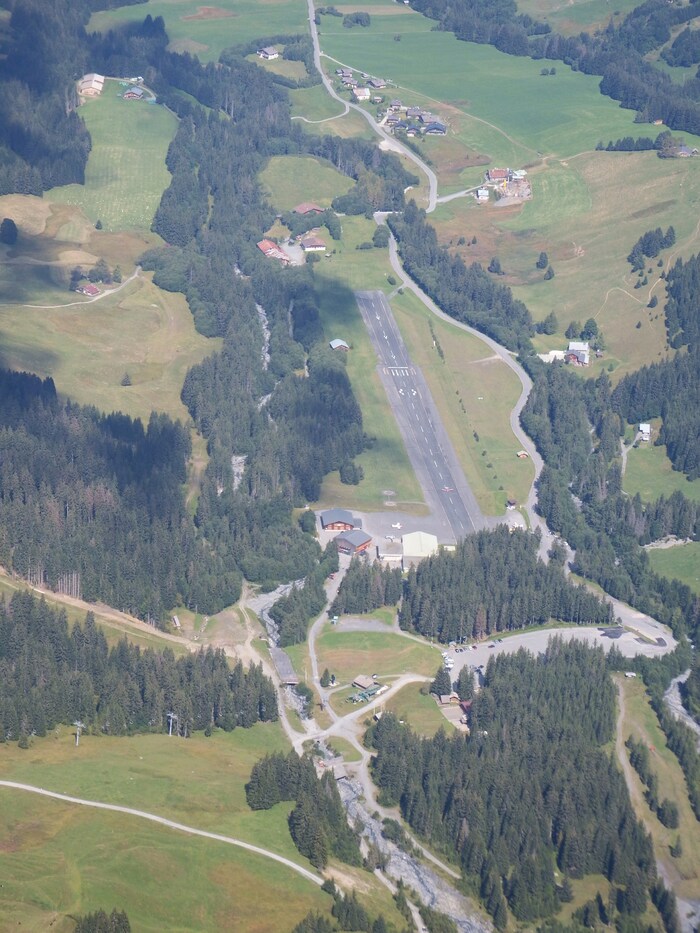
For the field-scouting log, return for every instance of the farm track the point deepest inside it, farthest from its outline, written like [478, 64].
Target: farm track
[169, 824]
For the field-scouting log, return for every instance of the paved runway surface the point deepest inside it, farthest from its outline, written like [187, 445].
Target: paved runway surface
[431, 453]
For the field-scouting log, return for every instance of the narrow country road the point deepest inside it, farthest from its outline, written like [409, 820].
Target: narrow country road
[170, 824]
[389, 140]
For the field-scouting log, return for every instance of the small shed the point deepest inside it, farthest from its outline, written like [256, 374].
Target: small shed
[307, 207]
[645, 431]
[338, 344]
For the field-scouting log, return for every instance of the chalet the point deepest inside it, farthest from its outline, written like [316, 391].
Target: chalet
[134, 93]
[353, 542]
[89, 289]
[401, 125]
[578, 353]
[685, 152]
[361, 93]
[269, 53]
[349, 81]
[499, 175]
[91, 85]
[435, 129]
[482, 194]
[376, 83]
[344, 72]
[645, 431]
[377, 99]
[413, 113]
[337, 520]
[412, 131]
[272, 251]
[426, 117]
[338, 344]
[395, 104]
[312, 244]
[392, 119]
[307, 207]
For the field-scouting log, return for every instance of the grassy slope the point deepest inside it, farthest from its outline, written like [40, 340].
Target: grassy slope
[60, 860]
[123, 181]
[571, 18]
[650, 473]
[238, 21]
[419, 711]
[641, 721]
[289, 180]
[679, 563]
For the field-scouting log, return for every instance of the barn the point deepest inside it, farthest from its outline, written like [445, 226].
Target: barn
[353, 542]
[338, 520]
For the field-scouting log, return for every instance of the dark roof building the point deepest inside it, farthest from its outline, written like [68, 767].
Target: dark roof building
[338, 520]
[307, 207]
[353, 542]
[435, 129]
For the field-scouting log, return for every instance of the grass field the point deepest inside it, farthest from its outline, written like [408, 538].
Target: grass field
[586, 216]
[61, 860]
[289, 180]
[385, 464]
[123, 181]
[508, 110]
[474, 391]
[570, 18]
[206, 30]
[650, 473]
[347, 654]
[419, 711]
[640, 721]
[679, 563]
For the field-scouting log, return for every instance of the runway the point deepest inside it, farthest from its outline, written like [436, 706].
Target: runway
[447, 492]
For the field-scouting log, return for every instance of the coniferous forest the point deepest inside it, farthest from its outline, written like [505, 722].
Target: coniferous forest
[530, 792]
[51, 673]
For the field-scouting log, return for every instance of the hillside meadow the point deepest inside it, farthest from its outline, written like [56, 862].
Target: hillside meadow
[126, 173]
[206, 30]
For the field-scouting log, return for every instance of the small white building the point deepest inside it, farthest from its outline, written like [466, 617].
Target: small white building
[361, 93]
[645, 431]
[269, 53]
[482, 194]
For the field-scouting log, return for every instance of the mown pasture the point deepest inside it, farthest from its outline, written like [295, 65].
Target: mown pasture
[206, 30]
[126, 173]
[570, 17]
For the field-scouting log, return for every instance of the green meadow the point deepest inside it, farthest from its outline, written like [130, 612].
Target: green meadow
[650, 473]
[474, 391]
[504, 108]
[570, 17]
[586, 215]
[419, 710]
[126, 173]
[678, 563]
[289, 180]
[206, 30]
[388, 654]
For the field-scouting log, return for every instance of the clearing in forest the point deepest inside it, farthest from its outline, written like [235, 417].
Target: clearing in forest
[681, 562]
[206, 30]
[126, 173]
[650, 473]
[291, 180]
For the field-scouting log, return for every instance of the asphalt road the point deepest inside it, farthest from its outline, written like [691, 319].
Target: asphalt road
[430, 451]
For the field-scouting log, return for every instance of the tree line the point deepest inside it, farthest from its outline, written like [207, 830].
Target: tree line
[493, 582]
[530, 791]
[317, 823]
[466, 293]
[52, 673]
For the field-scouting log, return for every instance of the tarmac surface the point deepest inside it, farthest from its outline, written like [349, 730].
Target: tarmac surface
[453, 507]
